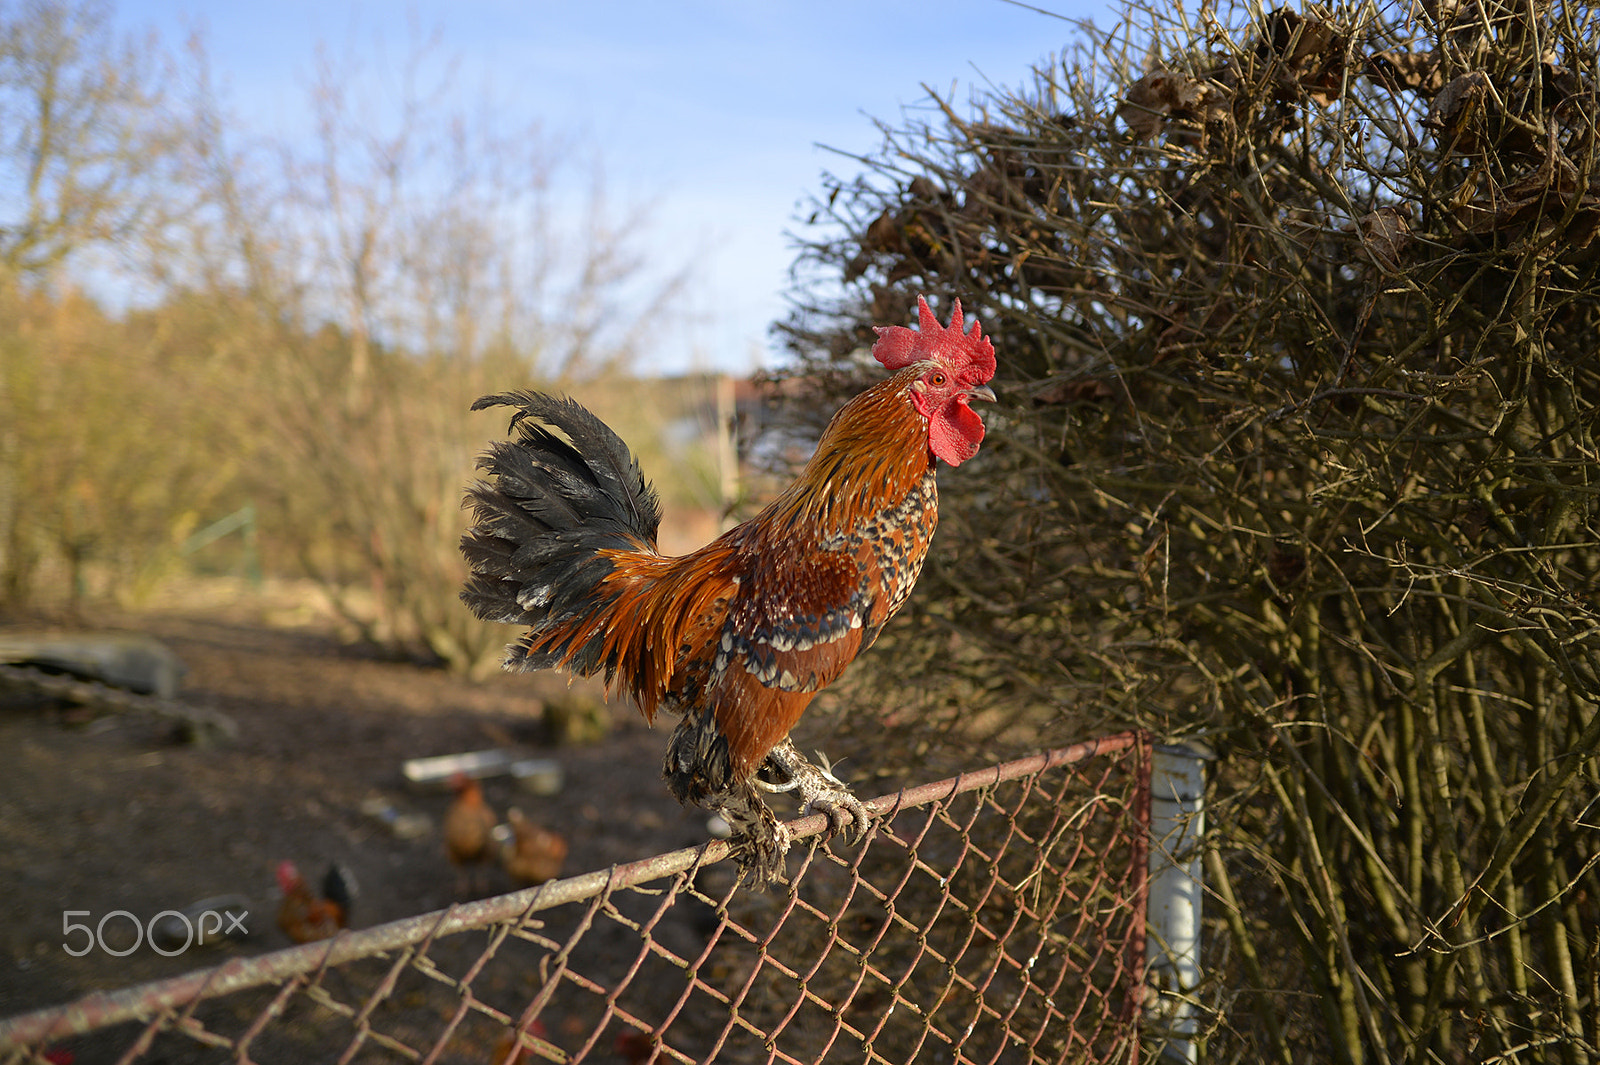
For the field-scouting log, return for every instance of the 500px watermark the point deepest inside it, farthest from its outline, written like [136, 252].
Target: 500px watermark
[170, 932]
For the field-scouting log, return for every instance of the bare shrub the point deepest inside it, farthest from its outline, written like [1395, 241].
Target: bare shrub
[1296, 314]
[406, 261]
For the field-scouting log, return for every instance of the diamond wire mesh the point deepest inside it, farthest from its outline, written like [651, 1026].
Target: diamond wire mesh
[993, 917]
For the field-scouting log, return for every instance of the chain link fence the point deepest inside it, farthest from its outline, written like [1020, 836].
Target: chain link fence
[998, 916]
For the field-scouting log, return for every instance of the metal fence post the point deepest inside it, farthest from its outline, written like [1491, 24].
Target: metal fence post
[1177, 825]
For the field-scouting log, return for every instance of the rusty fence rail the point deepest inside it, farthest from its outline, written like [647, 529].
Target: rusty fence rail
[998, 916]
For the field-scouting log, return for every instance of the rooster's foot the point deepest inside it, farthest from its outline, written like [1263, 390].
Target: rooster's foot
[759, 842]
[818, 789]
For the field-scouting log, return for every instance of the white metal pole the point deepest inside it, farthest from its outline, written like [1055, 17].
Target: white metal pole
[1177, 823]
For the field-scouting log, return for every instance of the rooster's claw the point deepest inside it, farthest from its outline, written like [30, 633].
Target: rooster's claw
[846, 815]
[819, 791]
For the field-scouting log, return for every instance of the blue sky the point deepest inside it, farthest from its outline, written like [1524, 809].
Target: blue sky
[711, 114]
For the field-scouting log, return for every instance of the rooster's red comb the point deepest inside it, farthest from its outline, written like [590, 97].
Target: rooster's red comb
[967, 354]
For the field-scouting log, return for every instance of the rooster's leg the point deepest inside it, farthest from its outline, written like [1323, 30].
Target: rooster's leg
[819, 791]
[698, 770]
[760, 842]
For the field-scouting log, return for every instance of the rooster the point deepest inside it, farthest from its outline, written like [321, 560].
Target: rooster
[737, 637]
[306, 917]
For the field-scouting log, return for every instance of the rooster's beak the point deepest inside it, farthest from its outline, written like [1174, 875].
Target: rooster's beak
[983, 392]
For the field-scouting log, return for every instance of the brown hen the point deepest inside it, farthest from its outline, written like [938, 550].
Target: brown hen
[468, 831]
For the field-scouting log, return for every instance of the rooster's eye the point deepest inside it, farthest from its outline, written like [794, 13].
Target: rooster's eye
[937, 380]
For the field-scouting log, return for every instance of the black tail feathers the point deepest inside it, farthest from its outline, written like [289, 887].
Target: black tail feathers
[339, 886]
[561, 489]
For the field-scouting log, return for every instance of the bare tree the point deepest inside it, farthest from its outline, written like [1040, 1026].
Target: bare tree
[83, 139]
[322, 313]
[1296, 314]
[409, 258]
[82, 132]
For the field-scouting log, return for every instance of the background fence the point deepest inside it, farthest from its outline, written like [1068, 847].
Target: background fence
[998, 916]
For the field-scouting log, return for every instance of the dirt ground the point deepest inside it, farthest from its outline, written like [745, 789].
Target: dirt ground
[104, 812]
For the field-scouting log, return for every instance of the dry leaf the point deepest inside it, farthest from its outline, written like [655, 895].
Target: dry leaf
[1415, 71]
[1309, 51]
[1080, 390]
[1164, 94]
[1543, 195]
[1386, 233]
[1456, 111]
